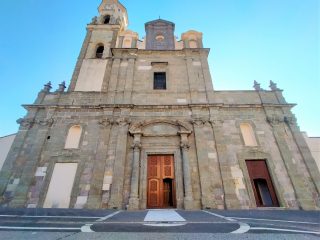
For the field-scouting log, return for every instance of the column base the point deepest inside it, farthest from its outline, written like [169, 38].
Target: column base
[208, 203]
[94, 202]
[133, 204]
[18, 203]
[188, 203]
[113, 204]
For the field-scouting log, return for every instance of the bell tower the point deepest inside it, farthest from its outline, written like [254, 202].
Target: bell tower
[91, 69]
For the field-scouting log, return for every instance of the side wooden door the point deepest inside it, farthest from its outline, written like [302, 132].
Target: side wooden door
[262, 185]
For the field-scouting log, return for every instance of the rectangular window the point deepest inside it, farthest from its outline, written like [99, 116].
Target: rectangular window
[159, 80]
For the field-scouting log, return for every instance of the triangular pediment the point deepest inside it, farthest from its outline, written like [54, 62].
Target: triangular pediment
[160, 22]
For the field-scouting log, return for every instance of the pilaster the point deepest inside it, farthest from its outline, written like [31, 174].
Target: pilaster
[129, 81]
[116, 196]
[29, 159]
[96, 184]
[113, 82]
[300, 184]
[229, 196]
[207, 198]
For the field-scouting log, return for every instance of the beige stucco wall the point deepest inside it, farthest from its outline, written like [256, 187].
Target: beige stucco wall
[5, 145]
[91, 75]
[314, 145]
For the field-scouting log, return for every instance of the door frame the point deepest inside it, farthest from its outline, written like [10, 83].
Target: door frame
[161, 185]
[163, 150]
[257, 153]
[273, 191]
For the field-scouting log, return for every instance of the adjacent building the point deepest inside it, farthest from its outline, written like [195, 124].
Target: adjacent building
[141, 126]
[5, 145]
[314, 146]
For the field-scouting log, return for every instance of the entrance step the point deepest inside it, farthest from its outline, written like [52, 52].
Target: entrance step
[163, 216]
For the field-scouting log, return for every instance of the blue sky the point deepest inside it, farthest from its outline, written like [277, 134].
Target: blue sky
[249, 40]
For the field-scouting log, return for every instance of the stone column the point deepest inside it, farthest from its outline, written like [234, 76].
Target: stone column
[134, 191]
[188, 194]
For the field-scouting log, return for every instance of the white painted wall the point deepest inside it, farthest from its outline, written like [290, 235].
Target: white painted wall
[91, 75]
[314, 146]
[60, 188]
[5, 145]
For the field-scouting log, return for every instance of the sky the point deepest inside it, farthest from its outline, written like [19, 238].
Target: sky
[261, 40]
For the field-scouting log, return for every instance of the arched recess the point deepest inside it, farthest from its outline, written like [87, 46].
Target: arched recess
[143, 127]
[73, 137]
[126, 43]
[107, 19]
[193, 44]
[99, 51]
[248, 134]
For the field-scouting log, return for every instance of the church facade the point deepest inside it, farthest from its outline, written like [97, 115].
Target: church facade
[140, 126]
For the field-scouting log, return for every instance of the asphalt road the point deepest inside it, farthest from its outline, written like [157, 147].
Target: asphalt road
[157, 224]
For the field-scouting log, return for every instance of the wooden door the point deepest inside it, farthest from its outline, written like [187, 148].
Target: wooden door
[261, 182]
[161, 187]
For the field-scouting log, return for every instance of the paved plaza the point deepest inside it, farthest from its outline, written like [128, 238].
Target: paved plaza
[169, 223]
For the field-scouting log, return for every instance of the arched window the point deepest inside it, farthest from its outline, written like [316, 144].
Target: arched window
[73, 138]
[127, 43]
[99, 52]
[193, 44]
[248, 134]
[107, 19]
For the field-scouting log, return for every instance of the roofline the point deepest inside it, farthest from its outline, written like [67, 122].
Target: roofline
[161, 20]
[9, 135]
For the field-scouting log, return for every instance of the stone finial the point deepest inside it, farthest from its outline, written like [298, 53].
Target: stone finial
[47, 87]
[94, 21]
[257, 86]
[273, 86]
[62, 87]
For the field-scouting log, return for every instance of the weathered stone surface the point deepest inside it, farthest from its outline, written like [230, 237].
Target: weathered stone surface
[126, 120]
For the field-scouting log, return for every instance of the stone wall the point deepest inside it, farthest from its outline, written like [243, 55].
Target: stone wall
[216, 155]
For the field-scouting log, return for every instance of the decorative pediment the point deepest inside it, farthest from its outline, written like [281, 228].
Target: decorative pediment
[160, 22]
[159, 128]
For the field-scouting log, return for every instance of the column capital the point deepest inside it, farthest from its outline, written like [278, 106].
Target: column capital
[25, 122]
[184, 146]
[199, 122]
[136, 146]
[275, 120]
[123, 121]
[106, 122]
[44, 122]
[216, 122]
